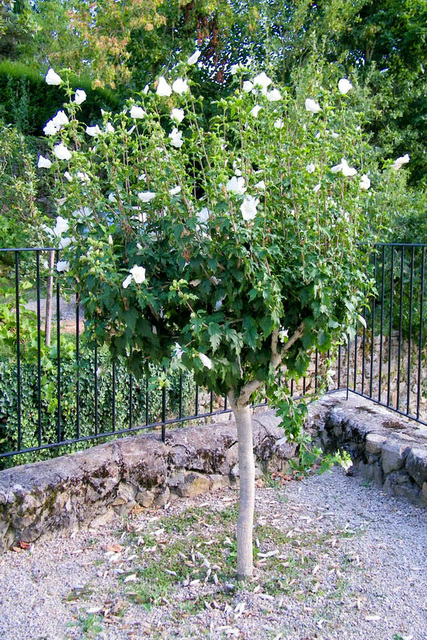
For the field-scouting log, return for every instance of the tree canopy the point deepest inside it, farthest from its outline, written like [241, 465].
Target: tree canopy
[231, 246]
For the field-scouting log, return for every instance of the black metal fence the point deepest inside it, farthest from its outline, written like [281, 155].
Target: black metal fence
[388, 357]
[56, 389]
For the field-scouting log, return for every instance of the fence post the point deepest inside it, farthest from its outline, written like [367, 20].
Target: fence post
[49, 295]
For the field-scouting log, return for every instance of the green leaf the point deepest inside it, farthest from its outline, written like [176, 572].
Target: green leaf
[301, 363]
[131, 316]
[308, 340]
[266, 325]
[251, 333]
[214, 331]
[323, 341]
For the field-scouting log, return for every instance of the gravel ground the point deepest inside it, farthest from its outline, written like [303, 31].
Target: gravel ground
[336, 559]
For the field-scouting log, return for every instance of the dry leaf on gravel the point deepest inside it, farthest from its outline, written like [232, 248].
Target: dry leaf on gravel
[116, 548]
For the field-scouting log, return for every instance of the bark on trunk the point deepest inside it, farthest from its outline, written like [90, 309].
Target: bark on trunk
[243, 419]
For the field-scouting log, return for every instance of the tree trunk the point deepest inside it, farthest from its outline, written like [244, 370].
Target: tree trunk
[243, 418]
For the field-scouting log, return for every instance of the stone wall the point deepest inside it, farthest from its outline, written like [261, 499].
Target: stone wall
[88, 487]
[387, 449]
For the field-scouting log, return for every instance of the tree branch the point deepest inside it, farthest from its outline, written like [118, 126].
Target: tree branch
[296, 336]
[276, 358]
[245, 393]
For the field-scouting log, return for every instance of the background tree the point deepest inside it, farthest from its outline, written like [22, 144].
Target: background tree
[16, 28]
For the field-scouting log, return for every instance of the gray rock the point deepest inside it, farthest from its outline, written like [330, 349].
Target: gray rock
[145, 497]
[393, 456]
[102, 520]
[416, 465]
[162, 497]
[230, 459]
[379, 444]
[191, 484]
[374, 443]
[399, 483]
[219, 481]
[125, 493]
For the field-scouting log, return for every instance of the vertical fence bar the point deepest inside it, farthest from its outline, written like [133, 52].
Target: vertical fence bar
[420, 344]
[114, 397]
[163, 413]
[373, 310]
[363, 351]
[96, 388]
[180, 398]
[49, 296]
[355, 361]
[411, 297]
[78, 365]
[147, 402]
[390, 325]
[130, 400]
[380, 372]
[328, 355]
[316, 370]
[399, 343]
[197, 400]
[348, 366]
[339, 367]
[58, 351]
[39, 359]
[225, 403]
[18, 351]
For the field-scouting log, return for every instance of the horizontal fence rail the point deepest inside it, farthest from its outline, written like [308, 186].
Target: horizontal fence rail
[57, 390]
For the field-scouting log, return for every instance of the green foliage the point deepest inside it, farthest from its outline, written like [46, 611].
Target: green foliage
[408, 207]
[28, 102]
[16, 27]
[227, 280]
[390, 41]
[89, 624]
[19, 209]
[382, 45]
[293, 414]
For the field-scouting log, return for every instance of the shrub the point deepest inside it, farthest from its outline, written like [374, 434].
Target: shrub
[28, 102]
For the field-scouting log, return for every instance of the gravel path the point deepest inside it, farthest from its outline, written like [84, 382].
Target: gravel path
[337, 559]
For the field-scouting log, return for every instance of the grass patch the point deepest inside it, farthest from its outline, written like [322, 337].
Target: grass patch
[90, 625]
[193, 556]
[83, 593]
[179, 550]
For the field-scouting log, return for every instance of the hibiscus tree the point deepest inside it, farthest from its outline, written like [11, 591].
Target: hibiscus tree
[230, 248]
